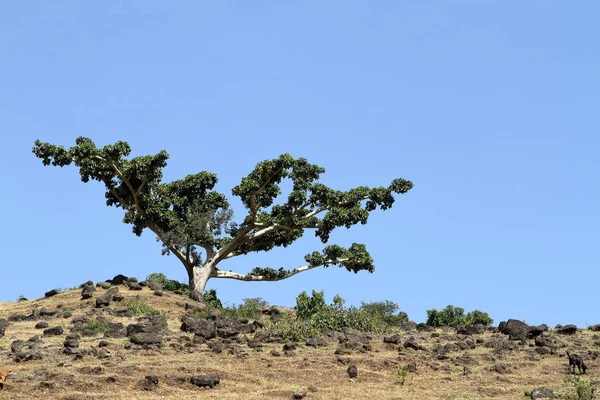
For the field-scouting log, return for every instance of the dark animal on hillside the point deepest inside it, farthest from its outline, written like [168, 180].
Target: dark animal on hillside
[576, 361]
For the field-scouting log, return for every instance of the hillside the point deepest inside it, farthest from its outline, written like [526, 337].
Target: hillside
[102, 362]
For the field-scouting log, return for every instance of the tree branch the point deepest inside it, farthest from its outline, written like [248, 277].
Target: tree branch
[254, 278]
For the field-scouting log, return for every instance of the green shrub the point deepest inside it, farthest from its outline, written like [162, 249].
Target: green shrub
[95, 327]
[251, 308]
[291, 330]
[168, 284]
[584, 388]
[212, 300]
[335, 317]
[401, 375]
[454, 316]
[138, 307]
[386, 310]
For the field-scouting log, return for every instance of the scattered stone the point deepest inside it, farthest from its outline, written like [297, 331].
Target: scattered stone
[205, 380]
[298, 395]
[51, 293]
[394, 339]
[44, 312]
[594, 328]
[567, 330]
[91, 370]
[541, 393]
[150, 382]
[55, 331]
[118, 280]
[535, 331]
[104, 300]
[88, 290]
[41, 325]
[469, 330]
[352, 371]
[501, 369]
[412, 344]
[515, 329]
[275, 353]
[411, 367]
[134, 286]
[315, 342]
[158, 293]
[104, 285]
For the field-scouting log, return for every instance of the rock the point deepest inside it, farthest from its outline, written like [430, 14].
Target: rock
[150, 382]
[3, 325]
[200, 327]
[205, 380]
[541, 393]
[515, 329]
[154, 285]
[394, 339]
[105, 285]
[422, 327]
[412, 344]
[567, 330]
[501, 369]
[55, 331]
[72, 343]
[469, 330]
[24, 357]
[217, 347]
[315, 342]
[158, 293]
[290, 347]
[411, 367]
[87, 292]
[594, 328]
[52, 292]
[543, 341]
[146, 338]
[104, 300]
[134, 286]
[535, 331]
[352, 371]
[44, 312]
[41, 325]
[255, 344]
[118, 280]
[298, 395]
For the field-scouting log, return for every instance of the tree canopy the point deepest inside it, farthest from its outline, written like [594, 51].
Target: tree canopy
[195, 223]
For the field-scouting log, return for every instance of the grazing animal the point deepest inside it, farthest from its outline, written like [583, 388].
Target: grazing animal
[3, 374]
[576, 361]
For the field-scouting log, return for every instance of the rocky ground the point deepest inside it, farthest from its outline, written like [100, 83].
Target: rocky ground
[87, 343]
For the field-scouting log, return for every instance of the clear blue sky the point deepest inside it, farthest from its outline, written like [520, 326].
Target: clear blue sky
[491, 108]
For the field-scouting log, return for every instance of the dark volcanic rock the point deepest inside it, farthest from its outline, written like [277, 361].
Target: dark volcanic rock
[352, 371]
[51, 293]
[134, 286]
[543, 341]
[394, 339]
[55, 331]
[87, 292]
[567, 330]
[541, 393]
[3, 325]
[535, 331]
[515, 329]
[315, 342]
[412, 344]
[594, 328]
[118, 280]
[41, 325]
[469, 329]
[104, 300]
[44, 312]
[205, 380]
[146, 338]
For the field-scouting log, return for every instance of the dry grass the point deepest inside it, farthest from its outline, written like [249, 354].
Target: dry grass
[261, 375]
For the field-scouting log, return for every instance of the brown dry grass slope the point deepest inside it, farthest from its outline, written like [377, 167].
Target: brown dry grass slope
[249, 374]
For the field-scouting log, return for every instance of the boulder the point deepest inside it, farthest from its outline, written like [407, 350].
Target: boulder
[352, 371]
[515, 329]
[87, 292]
[567, 330]
[41, 325]
[51, 293]
[55, 331]
[118, 280]
[595, 328]
[469, 329]
[541, 393]
[205, 380]
[535, 331]
[394, 339]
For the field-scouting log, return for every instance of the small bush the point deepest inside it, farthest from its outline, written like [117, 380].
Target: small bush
[139, 308]
[335, 317]
[250, 309]
[401, 375]
[584, 389]
[386, 310]
[454, 316]
[168, 284]
[212, 300]
[291, 330]
[95, 327]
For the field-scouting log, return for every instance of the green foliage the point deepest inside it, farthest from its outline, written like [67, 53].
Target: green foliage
[386, 310]
[401, 375]
[212, 300]
[582, 389]
[138, 307]
[454, 316]
[250, 309]
[192, 220]
[95, 327]
[168, 284]
[291, 330]
[336, 317]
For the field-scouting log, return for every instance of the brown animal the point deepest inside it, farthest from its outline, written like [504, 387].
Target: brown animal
[575, 360]
[3, 374]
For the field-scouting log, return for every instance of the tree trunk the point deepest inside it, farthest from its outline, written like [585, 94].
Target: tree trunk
[198, 276]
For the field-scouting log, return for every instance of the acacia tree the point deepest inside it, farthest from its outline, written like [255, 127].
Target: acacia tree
[194, 222]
